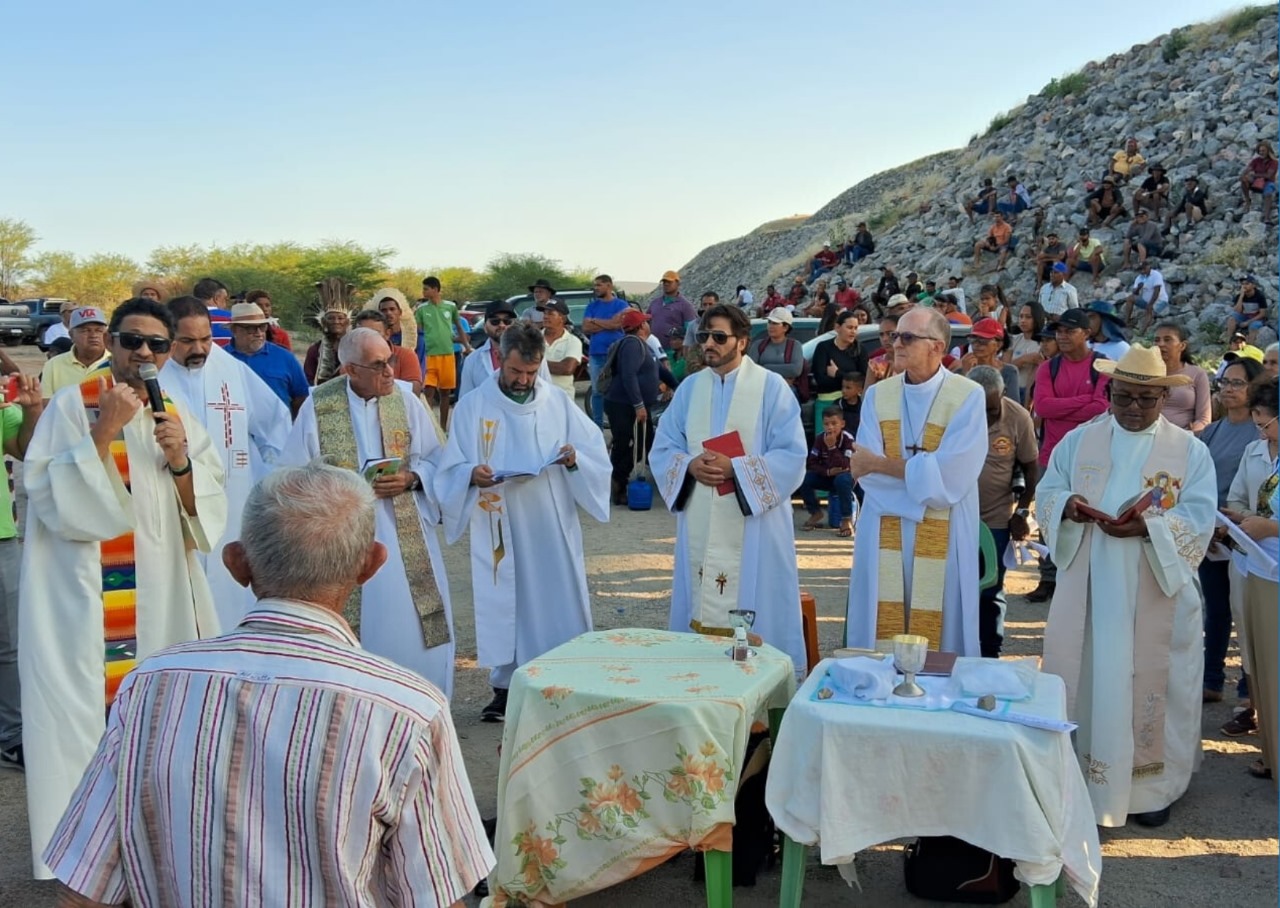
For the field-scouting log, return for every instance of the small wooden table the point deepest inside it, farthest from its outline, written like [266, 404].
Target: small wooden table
[622, 749]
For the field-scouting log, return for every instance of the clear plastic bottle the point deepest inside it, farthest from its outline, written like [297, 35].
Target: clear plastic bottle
[740, 644]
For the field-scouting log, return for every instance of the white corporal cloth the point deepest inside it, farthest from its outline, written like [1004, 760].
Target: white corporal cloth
[848, 777]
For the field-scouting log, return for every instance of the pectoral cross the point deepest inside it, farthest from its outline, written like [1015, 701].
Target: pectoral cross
[226, 405]
[914, 449]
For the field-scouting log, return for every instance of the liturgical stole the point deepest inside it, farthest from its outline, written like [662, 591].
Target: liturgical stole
[929, 564]
[338, 447]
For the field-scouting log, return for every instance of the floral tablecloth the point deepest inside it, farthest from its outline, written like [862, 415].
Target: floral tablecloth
[622, 748]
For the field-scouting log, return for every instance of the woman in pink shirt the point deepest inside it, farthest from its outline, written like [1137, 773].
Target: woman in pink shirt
[1186, 406]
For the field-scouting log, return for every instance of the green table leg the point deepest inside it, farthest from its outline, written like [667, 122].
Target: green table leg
[793, 857]
[1047, 896]
[719, 878]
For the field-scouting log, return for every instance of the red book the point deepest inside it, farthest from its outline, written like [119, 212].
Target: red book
[730, 445]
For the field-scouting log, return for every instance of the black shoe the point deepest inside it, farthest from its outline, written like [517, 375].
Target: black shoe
[12, 758]
[496, 711]
[1151, 818]
[1042, 593]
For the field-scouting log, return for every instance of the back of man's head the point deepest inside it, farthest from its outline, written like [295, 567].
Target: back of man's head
[291, 541]
[207, 288]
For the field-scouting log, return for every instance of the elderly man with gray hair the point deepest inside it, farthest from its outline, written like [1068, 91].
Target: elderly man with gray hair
[365, 421]
[312, 771]
[1011, 447]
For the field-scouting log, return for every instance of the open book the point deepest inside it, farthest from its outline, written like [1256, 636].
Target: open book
[380, 466]
[1126, 512]
[502, 475]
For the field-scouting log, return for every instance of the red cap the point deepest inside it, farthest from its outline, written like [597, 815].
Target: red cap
[988, 328]
[633, 318]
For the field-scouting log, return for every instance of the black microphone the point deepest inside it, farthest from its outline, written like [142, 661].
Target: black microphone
[150, 376]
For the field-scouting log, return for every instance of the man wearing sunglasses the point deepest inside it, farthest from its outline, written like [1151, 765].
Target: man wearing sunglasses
[118, 498]
[729, 452]
[920, 449]
[1125, 628]
[483, 362]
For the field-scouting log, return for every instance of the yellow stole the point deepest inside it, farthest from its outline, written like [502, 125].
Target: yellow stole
[338, 447]
[929, 564]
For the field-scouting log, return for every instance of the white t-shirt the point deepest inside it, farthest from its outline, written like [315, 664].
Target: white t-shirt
[567, 346]
[1111, 349]
[1151, 286]
[745, 298]
[654, 345]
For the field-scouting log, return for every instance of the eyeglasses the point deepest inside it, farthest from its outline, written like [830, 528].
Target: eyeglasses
[1233, 383]
[131, 341]
[501, 320]
[1267, 425]
[907, 338]
[383, 366]
[1123, 401]
[720, 337]
[252, 329]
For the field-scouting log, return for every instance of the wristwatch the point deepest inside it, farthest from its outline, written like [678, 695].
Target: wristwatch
[1022, 512]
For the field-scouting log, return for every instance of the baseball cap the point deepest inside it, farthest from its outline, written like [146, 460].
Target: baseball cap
[498, 307]
[1248, 351]
[781, 316]
[1046, 333]
[634, 318]
[557, 306]
[670, 276]
[1074, 318]
[1239, 336]
[59, 345]
[987, 328]
[1060, 267]
[898, 299]
[68, 306]
[87, 315]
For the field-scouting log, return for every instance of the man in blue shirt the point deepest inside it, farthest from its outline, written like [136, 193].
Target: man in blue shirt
[273, 364]
[602, 324]
[214, 294]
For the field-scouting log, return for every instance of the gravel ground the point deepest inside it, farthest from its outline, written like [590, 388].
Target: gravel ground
[1219, 847]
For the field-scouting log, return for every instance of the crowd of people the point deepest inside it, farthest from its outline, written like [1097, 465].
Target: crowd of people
[199, 604]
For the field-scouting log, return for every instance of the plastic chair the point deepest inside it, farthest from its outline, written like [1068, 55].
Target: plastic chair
[990, 558]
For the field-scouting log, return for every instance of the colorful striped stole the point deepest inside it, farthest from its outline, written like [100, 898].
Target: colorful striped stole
[119, 566]
[929, 562]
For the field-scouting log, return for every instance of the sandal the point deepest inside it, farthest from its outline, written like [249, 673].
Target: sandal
[846, 528]
[1259, 770]
[814, 521]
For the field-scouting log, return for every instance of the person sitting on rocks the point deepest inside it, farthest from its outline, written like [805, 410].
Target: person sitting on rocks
[1194, 204]
[996, 240]
[1149, 293]
[914, 288]
[1127, 163]
[954, 289]
[1105, 204]
[887, 288]
[1052, 251]
[826, 260]
[1086, 254]
[984, 202]
[1260, 177]
[929, 294]
[820, 302]
[947, 305]
[846, 297]
[1143, 237]
[861, 246]
[1058, 294]
[1015, 200]
[1250, 310]
[772, 300]
[1153, 194]
[796, 297]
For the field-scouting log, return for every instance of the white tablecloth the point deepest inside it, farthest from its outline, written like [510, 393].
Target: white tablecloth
[848, 777]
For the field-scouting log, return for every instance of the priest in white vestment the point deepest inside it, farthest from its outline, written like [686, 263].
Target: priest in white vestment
[1125, 627]
[528, 577]
[365, 420]
[921, 446]
[106, 479]
[483, 361]
[247, 423]
[735, 532]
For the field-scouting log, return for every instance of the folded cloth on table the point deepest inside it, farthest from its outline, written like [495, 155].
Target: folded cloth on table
[1013, 679]
[864, 677]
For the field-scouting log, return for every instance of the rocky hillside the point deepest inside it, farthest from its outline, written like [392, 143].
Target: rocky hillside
[1197, 100]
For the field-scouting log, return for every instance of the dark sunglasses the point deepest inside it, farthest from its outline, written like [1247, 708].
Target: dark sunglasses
[720, 337]
[908, 338]
[501, 320]
[1124, 401]
[131, 341]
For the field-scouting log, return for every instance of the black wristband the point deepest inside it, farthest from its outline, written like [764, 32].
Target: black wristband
[183, 472]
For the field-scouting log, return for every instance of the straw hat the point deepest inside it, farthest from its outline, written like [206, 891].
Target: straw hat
[1141, 366]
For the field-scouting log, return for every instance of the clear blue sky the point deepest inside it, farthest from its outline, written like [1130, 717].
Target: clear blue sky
[619, 136]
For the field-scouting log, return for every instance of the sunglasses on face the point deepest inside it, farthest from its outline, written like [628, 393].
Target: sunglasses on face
[131, 341]
[501, 320]
[1123, 401]
[907, 338]
[720, 337]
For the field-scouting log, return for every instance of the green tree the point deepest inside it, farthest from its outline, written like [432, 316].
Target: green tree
[16, 240]
[101, 280]
[509, 274]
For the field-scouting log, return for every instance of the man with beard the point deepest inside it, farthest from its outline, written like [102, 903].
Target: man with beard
[246, 422]
[1125, 630]
[276, 366]
[484, 361]
[520, 460]
[88, 352]
[120, 498]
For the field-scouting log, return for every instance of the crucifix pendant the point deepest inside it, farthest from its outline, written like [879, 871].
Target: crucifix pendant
[915, 449]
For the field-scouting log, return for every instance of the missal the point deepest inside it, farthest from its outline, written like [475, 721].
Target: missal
[377, 467]
[730, 445]
[1129, 510]
[503, 475]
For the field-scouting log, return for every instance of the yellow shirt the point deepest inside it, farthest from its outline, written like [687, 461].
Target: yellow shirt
[1124, 163]
[63, 370]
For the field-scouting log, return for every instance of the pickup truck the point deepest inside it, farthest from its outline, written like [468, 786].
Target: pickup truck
[15, 322]
[44, 311]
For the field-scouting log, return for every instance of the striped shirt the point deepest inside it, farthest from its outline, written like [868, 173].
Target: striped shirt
[279, 764]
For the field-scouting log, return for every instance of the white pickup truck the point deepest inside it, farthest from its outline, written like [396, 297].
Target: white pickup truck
[15, 322]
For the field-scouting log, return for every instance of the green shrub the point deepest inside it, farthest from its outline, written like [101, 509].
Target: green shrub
[998, 122]
[1236, 252]
[1073, 84]
[1173, 45]
[1243, 20]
